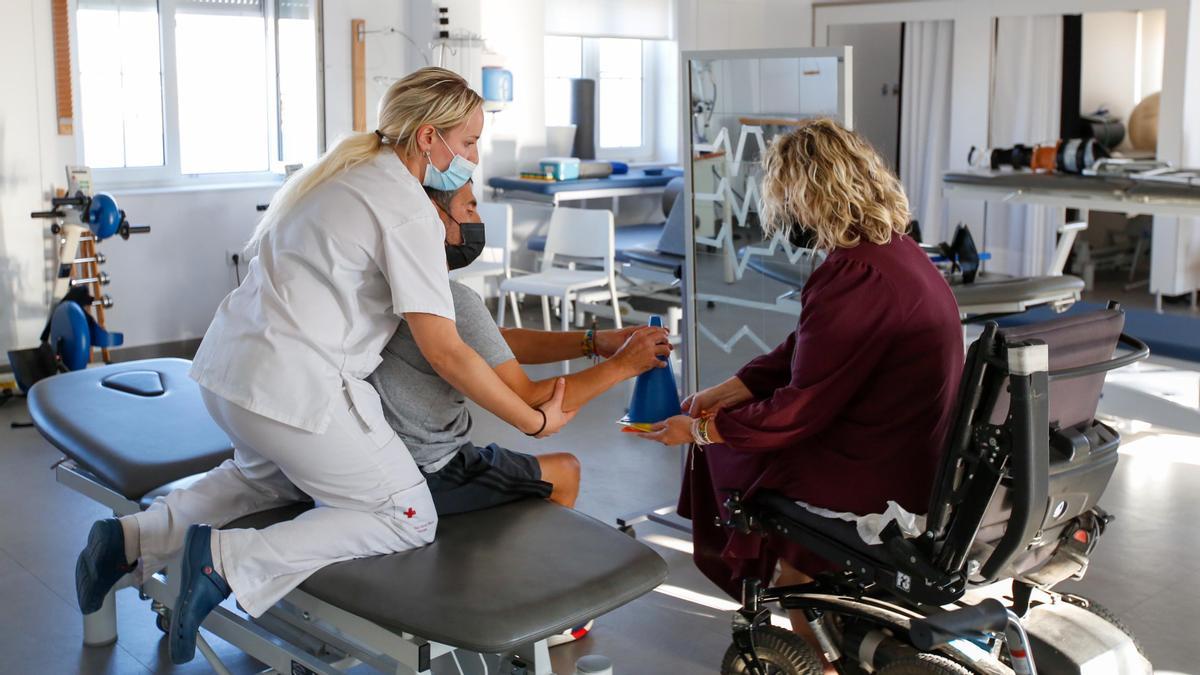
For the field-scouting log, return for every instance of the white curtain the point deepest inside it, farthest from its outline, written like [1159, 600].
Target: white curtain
[925, 122]
[1026, 102]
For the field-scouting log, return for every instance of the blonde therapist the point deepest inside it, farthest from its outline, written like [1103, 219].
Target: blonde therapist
[349, 247]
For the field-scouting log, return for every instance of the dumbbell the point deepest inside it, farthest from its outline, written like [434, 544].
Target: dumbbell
[99, 259]
[79, 201]
[106, 302]
[102, 278]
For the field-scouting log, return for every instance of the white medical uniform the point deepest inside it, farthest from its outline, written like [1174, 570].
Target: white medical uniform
[281, 369]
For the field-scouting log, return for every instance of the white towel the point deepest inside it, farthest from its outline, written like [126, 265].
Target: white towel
[870, 525]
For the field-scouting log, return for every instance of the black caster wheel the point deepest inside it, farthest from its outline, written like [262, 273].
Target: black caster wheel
[163, 621]
[781, 652]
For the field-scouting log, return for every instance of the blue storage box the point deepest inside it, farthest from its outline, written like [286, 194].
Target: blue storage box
[560, 168]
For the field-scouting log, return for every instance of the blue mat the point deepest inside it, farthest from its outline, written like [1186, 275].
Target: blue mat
[635, 178]
[627, 237]
[1168, 335]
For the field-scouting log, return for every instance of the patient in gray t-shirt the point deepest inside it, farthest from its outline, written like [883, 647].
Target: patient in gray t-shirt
[429, 414]
[432, 417]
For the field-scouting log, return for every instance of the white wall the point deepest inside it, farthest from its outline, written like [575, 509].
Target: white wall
[167, 284]
[744, 24]
[32, 160]
[387, 55]
[876, 76]
[1121, 62]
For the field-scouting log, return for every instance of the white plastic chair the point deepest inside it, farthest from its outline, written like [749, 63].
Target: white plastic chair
[496, 259]
[582, 237]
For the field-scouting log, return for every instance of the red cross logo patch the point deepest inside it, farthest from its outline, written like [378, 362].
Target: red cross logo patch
[410, 512]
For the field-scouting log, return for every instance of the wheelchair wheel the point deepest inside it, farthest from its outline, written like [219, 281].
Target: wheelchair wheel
[924, 664]
[1103, 612]
[781, 651]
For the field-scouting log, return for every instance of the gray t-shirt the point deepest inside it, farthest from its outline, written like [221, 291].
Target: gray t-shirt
[429, 414]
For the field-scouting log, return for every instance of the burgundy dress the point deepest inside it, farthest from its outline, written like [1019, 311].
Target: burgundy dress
[849, 412]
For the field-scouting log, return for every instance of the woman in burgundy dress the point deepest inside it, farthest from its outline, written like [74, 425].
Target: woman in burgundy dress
[852, 409]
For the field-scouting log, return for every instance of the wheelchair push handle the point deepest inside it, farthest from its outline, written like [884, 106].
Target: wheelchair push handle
[989, 616]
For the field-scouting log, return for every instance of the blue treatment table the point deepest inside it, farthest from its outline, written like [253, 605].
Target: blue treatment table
[636, 182]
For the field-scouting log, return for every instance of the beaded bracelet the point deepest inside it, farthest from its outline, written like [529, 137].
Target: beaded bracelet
[588, 344]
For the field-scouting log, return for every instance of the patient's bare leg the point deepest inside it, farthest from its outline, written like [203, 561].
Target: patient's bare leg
[561, 469]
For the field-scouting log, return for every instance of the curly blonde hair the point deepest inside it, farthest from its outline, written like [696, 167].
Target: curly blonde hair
[827, 179]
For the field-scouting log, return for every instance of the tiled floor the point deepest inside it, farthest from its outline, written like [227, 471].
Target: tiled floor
[1147, 568]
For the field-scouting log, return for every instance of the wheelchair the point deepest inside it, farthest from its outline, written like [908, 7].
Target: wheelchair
[1013, 513]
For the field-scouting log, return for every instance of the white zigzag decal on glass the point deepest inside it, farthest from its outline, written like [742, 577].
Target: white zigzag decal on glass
[733, 162]
[724, 241]
[728, 345]
[724, 192]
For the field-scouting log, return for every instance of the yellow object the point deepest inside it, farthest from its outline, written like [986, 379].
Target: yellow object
[636, 426]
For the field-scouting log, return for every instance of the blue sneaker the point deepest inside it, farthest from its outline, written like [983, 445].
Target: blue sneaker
[101, 564]
[201, 589]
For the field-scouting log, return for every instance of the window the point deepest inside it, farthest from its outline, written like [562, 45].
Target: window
[119, 73]
[620, 68]
[177, 91]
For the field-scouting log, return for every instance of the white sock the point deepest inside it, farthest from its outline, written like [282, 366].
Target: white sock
[214, 544]
[133, 539]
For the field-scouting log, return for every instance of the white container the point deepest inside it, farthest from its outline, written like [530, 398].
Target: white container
[560, 141]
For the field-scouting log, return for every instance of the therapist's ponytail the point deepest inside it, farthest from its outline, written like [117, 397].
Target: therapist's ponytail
[428, 96]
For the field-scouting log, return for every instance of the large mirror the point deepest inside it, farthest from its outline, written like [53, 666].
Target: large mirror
[743, 291]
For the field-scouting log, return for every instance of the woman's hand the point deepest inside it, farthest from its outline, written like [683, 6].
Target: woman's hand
[641, 350]
[728, 394]
[675, 430]
[608, 342]
[555, 417]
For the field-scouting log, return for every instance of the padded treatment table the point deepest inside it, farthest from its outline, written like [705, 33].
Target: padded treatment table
[1118, 194]
[636, 182]
[988, 295]
[495, 582]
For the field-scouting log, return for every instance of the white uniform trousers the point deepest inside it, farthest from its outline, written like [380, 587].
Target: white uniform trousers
[371, 499]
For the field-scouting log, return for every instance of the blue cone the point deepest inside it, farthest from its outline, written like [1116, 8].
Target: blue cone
[655, 397]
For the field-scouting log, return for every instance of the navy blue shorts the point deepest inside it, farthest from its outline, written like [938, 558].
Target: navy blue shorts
[480, 478]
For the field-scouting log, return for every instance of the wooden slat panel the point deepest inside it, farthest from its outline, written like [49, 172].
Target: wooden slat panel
[358, 71]
[62, 67]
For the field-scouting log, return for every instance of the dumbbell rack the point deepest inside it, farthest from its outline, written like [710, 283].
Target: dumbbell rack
[79, 258]
[88, 263]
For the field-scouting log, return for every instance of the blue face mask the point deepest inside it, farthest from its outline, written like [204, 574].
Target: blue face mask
[455, 176]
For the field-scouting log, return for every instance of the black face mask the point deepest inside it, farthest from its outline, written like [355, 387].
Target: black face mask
[474, 239]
